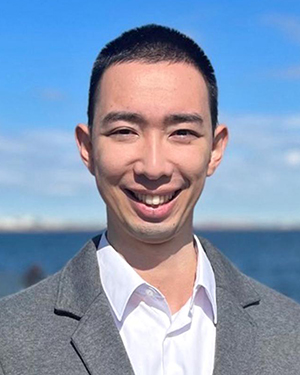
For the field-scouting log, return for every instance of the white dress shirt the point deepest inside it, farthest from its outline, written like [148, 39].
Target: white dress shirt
[158, 343]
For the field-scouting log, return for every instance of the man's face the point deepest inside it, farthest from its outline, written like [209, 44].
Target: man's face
[151, 148]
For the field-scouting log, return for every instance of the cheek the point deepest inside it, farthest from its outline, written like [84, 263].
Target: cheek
[194, 165]
[110, 165]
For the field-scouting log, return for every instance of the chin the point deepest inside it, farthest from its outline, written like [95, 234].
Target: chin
[153, 233]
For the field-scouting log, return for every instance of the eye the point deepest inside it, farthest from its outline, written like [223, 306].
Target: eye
[185, 135]
[122, 134]
[183, 132]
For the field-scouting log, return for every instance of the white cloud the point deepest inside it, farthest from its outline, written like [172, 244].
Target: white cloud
[289, 25]
[50, 94]
[9, 178]
[290, 73]
[259, 163]
[292, 158]
[263, 133]
[12, 145]
[45, 162]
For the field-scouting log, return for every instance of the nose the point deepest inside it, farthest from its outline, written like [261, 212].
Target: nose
[154, 160]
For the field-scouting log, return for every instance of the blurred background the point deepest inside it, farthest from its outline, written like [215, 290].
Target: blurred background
[49, 205]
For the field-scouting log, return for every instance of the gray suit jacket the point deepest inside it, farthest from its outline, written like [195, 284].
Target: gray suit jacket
[63, 325]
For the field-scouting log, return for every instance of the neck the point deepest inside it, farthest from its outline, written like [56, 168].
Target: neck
[169, 266]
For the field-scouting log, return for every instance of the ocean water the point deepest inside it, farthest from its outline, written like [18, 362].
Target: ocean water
[272, 257]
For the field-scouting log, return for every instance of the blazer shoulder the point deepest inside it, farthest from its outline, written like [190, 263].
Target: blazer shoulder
[276, 313]
[271, 311]
[29, 301]
[255, 318]
[42, 297]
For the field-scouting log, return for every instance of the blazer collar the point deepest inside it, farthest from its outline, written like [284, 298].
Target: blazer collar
[79, 282]
[229, 278]
[75, 294]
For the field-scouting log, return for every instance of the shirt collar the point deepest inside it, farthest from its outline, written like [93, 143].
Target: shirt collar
[120, 280]
[205, 278]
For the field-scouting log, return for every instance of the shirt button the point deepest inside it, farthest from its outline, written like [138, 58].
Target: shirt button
[149, 293]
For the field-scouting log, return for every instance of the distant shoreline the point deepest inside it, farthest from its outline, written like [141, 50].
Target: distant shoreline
[206, 228]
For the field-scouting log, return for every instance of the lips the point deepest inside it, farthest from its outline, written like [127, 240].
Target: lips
[152, 200]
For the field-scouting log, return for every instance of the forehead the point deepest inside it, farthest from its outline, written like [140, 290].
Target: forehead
[155, 87]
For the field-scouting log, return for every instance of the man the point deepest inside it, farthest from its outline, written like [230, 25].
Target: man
[147, 296]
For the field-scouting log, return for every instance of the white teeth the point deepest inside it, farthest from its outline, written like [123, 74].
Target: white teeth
[154, 200]
[148, 200]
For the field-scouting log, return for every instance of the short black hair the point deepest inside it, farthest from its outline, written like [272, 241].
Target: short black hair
[154, 44]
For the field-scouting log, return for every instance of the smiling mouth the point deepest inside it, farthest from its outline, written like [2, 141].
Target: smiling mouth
[152, 200]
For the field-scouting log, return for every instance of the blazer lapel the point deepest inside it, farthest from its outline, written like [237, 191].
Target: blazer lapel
[236, 351]
[98, 343]
[80, 296]
[235, 340]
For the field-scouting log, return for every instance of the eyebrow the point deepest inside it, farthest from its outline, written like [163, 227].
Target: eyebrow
[136, 118]
[123, 116]
[180, 118]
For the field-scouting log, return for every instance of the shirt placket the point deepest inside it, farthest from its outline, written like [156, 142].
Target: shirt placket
[179, 326]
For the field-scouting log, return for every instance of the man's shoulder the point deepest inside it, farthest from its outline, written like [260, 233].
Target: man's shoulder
[35, 300]
[39, 322]
[276, 320]
[269, 309]
[275, 313]
[260, 324]
[43, 296]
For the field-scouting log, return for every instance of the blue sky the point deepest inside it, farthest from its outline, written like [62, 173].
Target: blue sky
[47, 51]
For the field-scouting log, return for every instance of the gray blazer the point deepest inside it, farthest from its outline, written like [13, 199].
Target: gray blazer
[63, 325]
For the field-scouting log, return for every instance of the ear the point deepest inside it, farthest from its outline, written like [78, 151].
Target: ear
[219, 144]
[84, 144]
